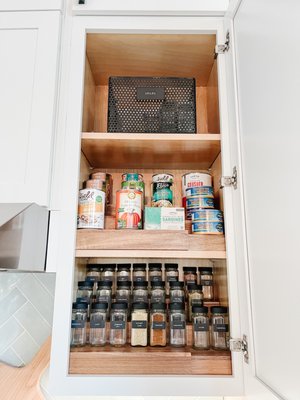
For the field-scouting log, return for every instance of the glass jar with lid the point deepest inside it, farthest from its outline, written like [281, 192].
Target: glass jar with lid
[201, 339]
[206, 280]
[118, 324]
[123, 292]
[140, 292]
[189, 275]
[85, 290]
[78, 324]
[158, 325]
[104, 293]
[123, 272]
[158, 294]
[88, 303]
[195, 297]
[139, 324]
[177, 325]
[177, 292]
[93, 272]
[98, 324]
[139, 273]
[155, 272]
[171, 274]
[109, 274]
[219, 328]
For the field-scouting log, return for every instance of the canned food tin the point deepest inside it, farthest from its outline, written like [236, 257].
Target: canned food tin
[207, 215]
[162, 194]
[194, 179]
[163, 178]
[129, 209]
[132, 176]
[95, 184]
[91, 206]
[197, 202]
[106, 185]
[99, 175]
[212, 228]
[207, 191]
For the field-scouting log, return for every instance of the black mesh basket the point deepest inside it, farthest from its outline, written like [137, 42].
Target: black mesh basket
[151, 105]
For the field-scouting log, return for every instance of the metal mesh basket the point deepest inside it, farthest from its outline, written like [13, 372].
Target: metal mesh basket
[151, 105]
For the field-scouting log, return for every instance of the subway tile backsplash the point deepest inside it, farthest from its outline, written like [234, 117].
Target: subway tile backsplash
[26, 311]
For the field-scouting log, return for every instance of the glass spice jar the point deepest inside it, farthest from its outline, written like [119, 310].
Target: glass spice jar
[139, 324]
[219, 328]
[85, 290]
[158, 325]
[155, 272]
[98, 324]
[189, 275]
[104, 294]
[171, 274]
[140, 292]
[78, 324]
[123, 292]
[109, 274]
[206, 280]
[93, 272]
[84, 300]
[177, 325]
[177, 292]
[195, 297]
[139, 273]
[123, 272]
[118, 324]
[200, 321]
[158, 294]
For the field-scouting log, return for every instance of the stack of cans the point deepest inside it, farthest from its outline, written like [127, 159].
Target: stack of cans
[197, 198]
[208, 221]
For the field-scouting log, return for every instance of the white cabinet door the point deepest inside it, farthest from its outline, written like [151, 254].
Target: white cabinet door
[28, 80]
[265, 38]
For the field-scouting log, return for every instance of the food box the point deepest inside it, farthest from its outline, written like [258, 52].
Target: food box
[168, 218]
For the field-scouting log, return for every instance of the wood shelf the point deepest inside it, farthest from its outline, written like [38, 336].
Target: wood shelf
[151, 244]
[160, 151]
[148, 361]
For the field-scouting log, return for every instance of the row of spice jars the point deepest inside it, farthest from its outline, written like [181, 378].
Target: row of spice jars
[151, 329]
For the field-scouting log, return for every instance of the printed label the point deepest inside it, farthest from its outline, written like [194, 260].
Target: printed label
[158, 325]
[178, 325]
[198, 302]
[92, 279]
[201, 327]
[157, 299]
[122, 278]
[98, 324]
[190, 281]
[77, 324]
[206, 282]
[178, 299]
[172, 278]
[122, 299]
[140, 299]
[139, 279]
[104, 299]
[220, 327]
[117, 325]
[155, 278]
[151, 93]
[139, 324]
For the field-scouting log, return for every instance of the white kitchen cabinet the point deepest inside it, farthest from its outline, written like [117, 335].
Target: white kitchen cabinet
[29, 45]
[257, 272]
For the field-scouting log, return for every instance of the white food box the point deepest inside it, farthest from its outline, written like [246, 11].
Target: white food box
[167, 218]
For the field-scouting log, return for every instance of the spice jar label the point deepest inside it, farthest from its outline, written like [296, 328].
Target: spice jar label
[198, 302]
[107, 279]
[159, 325]
[220, 328]
[122, 278]
[178, 299]
[122, 299]
[201, 327]
[139, 324]
[139, 279]
[98, 324]
[178, 325]
[117, 325]
[206, 282]
[172, 278]
[140, 299]
[77, 324]
[157, 299]
[92, 279]
[190, 281]
[155, 278]
[103, 299]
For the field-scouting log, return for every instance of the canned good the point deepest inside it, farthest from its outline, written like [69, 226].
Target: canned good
[136, 185]
[95, 184]
[162, 191]
[207, 215]
[99, 175]
[206, 191]
[194, 179]
[197, 202]
[132, 176]
[107, 183]
[208, 227]
[129, 209]
[91, 206]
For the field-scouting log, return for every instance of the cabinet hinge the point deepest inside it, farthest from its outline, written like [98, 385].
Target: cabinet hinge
[81, 1]
[222, 48]
[229, 180]
[240, 345]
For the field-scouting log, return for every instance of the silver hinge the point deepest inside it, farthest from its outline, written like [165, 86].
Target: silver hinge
[229, 180]
[222, 48]
[240, 345]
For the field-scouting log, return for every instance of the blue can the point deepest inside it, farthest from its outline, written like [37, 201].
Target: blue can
[207, 215]
[206, 191]
[197, 202]
[211, 228]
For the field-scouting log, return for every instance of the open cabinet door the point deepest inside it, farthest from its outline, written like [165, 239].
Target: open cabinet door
[263, 65]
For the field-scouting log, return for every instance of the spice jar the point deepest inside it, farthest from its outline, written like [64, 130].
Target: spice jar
[109, 274]
[98, 324]
[158, 322]
[200, 327]
[139, 324]
[85, 290]
[155, 272]
[220, 328]
[93, 272]
[189, 275]
[139, 272]
[78, 324]
[177, 325]
[123, 292]
[140, 292]
[158, 294]
[104, 293]
[206, 280]
[123, 272]
[118, 324]
[195, 297]
[85, 301]
[171, 274]
[177, 292]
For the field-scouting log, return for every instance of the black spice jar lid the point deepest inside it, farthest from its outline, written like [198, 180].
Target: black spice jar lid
[123, 267]
[140, 266]
[176, 284]
[104, 283]
[109, 267]
[177, 306]
[157, 284]
[99, 306]
[205, 269]
[199, 309]
[122, 284]
[88, 284]
[154, 266]
[93, 267]
[140, 306]
[141, 284]
[170, 266]
[158, 306]
[119, 306]
[80, 305]
[194, 286]
[190, 269]
[219, 310]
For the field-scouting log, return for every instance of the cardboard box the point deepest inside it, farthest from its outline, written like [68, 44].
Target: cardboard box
[168, 218]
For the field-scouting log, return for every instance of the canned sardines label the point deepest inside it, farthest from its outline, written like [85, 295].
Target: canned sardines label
[206, 191]
[199, 202]
[208, 227]
[207, 215]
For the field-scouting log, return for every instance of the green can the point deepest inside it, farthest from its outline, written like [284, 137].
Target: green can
[162, 190]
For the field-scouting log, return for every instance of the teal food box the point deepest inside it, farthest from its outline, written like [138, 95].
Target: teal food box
[168, 218]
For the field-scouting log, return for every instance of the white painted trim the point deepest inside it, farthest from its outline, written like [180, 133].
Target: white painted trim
[31, 5]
